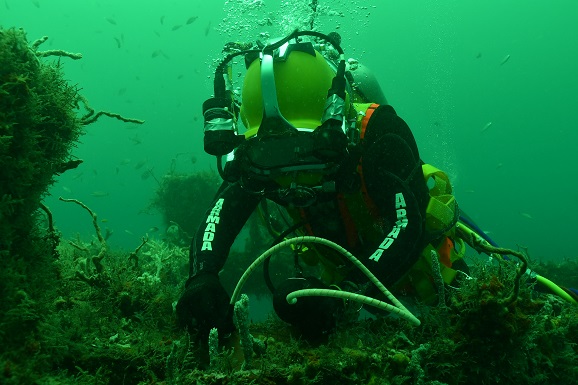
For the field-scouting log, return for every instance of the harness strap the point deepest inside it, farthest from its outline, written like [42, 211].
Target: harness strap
[353, 223]
[371, 206]
[370, 110]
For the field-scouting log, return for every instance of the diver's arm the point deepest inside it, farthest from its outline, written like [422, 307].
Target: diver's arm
[394, 181]
[219, 227]
[205, 302]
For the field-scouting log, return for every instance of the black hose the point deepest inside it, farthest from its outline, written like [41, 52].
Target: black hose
[277, 240]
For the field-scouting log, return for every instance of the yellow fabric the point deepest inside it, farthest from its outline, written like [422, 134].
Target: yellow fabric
[360, 108]
[442, 205]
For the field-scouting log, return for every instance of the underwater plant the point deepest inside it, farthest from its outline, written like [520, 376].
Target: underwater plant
[42, 116]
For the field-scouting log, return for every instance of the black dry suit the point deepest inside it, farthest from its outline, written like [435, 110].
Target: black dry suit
[391, 180]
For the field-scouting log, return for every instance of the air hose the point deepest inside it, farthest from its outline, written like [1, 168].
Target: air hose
[465, 228]
[398, 308]
[555, 289]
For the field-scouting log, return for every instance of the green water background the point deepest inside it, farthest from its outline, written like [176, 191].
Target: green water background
[439, 63]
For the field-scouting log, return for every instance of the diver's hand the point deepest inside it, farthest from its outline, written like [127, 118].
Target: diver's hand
[206, 302]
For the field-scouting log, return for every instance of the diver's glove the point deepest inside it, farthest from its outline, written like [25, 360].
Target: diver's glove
[204, 305]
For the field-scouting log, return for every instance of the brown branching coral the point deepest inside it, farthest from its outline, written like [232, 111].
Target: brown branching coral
[96, 259]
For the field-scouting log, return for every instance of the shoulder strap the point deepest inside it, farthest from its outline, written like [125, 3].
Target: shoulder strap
[364, 112]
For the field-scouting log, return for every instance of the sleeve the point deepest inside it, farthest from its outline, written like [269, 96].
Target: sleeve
[219, 227]
[394, 180]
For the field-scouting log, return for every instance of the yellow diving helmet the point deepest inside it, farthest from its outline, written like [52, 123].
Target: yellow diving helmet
[302, 79]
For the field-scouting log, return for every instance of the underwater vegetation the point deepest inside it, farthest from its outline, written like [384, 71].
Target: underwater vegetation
[182, 201]
[38, 128]
[113, 322]
[41, 119]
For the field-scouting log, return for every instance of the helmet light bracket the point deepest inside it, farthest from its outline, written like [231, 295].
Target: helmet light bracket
[273, 121]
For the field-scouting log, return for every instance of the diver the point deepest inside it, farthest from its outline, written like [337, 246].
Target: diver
[322, 142]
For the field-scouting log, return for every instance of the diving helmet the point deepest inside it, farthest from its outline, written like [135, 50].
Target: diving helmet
[294, 104]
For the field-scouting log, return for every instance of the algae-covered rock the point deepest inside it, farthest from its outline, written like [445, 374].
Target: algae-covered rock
[38, 127]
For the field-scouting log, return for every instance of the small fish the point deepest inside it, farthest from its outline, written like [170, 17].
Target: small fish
[136, 140]
[99, 194]
[157, 33]
[479, 55]
[486, 126]
[162, 20]
[76, 176]
[6, 5]
[156, 53]
[129, 232]
[505, 60]
[180, 76]
[36, 3]
[110, 20]
[499, 166]
[192, 19]
[526, 215]
[122, 91]
[118, 43]
[140, 164]
[125, 161]
[148, 173]
[208, 29]
[104, 220]
[176, 27]
[153, 229]
[67, 189]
